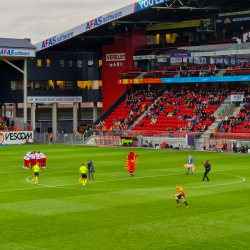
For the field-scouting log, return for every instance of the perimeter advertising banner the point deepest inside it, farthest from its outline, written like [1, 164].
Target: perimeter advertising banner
[54, 99]
[184, 24]
[237, 98]
[144, 4]
[20, 137]
[243, 78]
[233, 19]
[140, 81]
[17, 52]
[94, 23]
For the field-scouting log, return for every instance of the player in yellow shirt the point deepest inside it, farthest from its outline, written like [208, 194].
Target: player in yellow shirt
[180, 195]
[83, 174]
[36, 170]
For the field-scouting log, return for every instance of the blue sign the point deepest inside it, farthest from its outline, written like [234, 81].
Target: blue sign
[144, 4]
[206, 79]
[233, 19]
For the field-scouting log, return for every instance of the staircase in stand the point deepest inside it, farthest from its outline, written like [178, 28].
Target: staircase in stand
[143, 115]
[220, 114]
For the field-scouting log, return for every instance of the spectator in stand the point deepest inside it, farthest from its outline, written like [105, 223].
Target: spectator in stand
[168, 128]
[28, 127]
[245, 127]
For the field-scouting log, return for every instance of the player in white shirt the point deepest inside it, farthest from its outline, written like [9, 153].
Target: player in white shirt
[33, 160]
[39, 159]
[26, 162]
[43, 160]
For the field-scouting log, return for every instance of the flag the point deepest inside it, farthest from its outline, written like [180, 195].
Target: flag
[80, 180]
[33, 179]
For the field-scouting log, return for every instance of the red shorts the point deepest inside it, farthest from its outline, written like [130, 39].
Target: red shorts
[132, 166]
[44, 159]
[39, 160]
[33, 161]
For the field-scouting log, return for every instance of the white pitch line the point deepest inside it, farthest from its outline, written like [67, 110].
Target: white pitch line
[223, 184]
[64, 186]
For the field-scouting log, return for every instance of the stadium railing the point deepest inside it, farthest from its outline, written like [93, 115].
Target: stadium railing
[80, 138]
[148, 133]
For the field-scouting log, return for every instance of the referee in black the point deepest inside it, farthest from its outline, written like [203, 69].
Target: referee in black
[207, 166]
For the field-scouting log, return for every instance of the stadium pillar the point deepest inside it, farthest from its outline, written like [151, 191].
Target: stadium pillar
[94, 111]
[54, 121]
[79, 112]
[25, 93]
[75, 104]
[33, 116]
[15, 105]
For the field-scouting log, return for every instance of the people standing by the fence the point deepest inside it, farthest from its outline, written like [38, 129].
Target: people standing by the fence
[51, 136]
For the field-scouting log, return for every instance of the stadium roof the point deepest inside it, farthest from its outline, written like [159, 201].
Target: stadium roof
[141, 13]
[16, 43]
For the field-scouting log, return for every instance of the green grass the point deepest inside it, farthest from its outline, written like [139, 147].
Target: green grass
[116, 211]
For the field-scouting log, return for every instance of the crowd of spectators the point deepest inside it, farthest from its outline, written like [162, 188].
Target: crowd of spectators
[136, 104]
[199, 71]
[186, 105]
[230, 123]
[6, 125]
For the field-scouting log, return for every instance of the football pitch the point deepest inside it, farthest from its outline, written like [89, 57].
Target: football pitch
[116, 211]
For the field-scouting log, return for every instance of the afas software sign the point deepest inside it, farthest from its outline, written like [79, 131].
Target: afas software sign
[17, 52]
[20, 137]
[96, 22]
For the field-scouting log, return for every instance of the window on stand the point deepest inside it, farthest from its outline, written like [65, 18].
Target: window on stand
[64, 85]
[39, 63]
[61, 63]
[49, 85]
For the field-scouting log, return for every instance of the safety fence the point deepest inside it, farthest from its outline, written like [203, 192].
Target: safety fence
[218, 145]
[148, 133]
[80, 138]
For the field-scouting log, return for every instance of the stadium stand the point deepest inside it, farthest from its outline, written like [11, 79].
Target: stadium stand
[131, 109]
[135, 72]
[168, 111]
[200, 70]
[217, 42]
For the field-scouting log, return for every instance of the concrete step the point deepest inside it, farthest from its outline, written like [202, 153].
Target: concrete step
[143, 115]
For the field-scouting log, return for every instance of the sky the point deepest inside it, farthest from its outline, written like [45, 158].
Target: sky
[41, 19]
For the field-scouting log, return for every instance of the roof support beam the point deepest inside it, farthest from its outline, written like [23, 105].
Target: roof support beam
[13, 65]
[24, 72]
[187, 8]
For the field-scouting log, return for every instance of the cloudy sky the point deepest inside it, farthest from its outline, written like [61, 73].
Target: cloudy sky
[41, 19]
